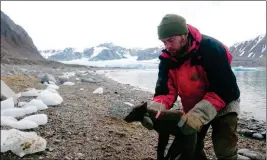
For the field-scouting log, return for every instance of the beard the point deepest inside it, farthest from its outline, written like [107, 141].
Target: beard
[178, 53]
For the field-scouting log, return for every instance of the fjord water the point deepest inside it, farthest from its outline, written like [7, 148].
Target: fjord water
[252, 84]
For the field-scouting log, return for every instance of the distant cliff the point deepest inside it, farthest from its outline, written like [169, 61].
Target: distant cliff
[16, 43]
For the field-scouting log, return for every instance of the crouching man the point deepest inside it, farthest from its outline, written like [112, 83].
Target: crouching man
[197, 68]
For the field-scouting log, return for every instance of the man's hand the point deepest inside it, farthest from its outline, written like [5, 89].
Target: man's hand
[200, 115]
[156, 106]
[147, 122]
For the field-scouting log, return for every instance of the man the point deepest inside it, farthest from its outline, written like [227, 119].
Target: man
[197, 68]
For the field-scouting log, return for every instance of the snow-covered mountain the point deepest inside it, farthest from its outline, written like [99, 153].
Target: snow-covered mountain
[105, 51]
[253, 48]
[250, 52]
[246, 53]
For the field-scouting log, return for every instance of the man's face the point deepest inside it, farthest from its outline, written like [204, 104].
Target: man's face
[175, 44]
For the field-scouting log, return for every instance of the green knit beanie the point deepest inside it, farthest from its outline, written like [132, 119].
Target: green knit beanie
[172, 25]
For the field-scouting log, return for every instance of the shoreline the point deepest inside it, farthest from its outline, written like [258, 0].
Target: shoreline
[91, 125]
[108, 73]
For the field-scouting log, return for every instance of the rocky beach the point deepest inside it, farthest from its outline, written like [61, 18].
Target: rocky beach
[89, 125]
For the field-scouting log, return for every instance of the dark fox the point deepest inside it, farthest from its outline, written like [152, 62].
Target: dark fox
[165, 124]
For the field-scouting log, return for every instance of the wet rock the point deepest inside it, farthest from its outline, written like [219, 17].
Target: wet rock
[263, 134]
[240, 157]
[88, 80]
[246, 132]
[47, 78]
[63, 79]
[251, 154]
[257, 136]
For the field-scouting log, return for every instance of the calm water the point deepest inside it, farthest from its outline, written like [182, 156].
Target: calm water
[252, 86]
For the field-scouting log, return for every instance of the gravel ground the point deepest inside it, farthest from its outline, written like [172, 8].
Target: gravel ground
[90, 126]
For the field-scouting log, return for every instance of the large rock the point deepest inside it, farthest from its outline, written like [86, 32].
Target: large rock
[6, 92]
[257, 136]
[253, 155]
[47, 78]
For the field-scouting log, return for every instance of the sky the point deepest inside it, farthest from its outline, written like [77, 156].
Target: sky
[131, 24]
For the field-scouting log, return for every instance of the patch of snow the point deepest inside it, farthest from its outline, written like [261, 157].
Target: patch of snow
[250, 54]
[98, 50]
[13, 112]
[98, 91]
[81, 89]
[52, 86]
[21, 143]
[8, 103]
[30, 93]
[24, 124]
[263, 48]
[40, 119]
[30, 109]
[8, 120]
[50, 97]
[261, 56]
[242, 53]
[259, 38]
[68, 83]
[39, 104]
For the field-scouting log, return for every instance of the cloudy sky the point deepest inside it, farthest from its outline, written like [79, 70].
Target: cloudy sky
[131, 24]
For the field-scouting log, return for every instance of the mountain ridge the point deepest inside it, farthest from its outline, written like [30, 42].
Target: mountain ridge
[247, 52]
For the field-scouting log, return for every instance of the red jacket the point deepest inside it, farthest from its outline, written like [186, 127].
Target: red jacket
[204, 73]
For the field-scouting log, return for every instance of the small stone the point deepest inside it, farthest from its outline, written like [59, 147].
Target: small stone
[80, 155]
[257, 136]
[67, 158]
[50, 149]
[57, 140]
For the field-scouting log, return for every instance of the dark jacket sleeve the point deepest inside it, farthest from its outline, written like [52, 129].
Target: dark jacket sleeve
[223, 87]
